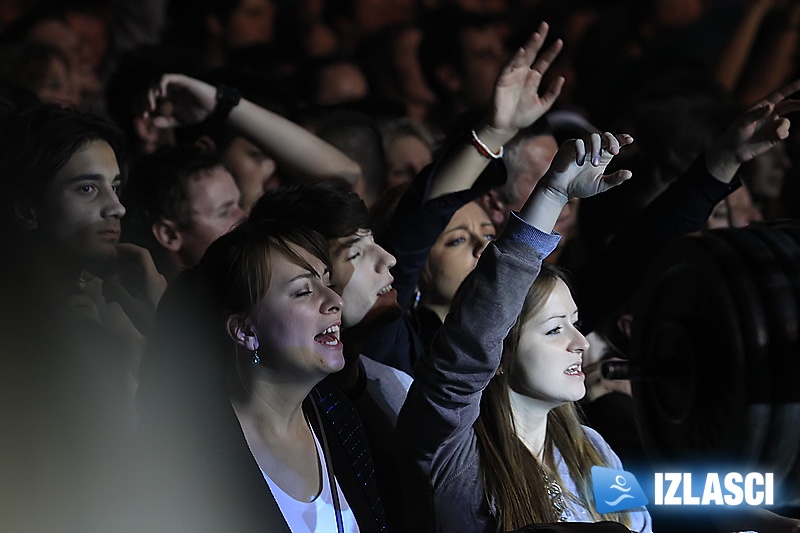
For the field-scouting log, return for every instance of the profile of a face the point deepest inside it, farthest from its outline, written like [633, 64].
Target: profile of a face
[361, 275]
[80, 215]
[548, 364]
[213, 204]
[296, 323]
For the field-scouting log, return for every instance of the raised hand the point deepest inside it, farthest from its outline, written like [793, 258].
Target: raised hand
[516, 102]
[191, 100]
[578, 167]
[753, 133]
[577, 171]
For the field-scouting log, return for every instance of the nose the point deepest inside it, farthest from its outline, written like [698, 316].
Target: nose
[332, 303]
[480, 245]
[387, 260]
[113, 208]
[239, 214]
[579, 343]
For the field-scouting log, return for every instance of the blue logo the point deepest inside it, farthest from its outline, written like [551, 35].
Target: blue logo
[616, 490]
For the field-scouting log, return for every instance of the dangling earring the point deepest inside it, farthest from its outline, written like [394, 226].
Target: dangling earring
[256, 358]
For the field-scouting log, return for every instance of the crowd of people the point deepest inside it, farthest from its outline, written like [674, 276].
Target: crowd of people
[308, 266]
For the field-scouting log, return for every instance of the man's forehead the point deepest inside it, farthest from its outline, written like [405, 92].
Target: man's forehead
[340, 243]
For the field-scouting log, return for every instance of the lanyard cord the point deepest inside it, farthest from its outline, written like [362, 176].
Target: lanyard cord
[329, 466]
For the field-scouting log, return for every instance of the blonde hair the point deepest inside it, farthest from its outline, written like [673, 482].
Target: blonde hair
[515, 480]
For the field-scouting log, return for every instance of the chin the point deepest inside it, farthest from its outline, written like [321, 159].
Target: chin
[382, 312]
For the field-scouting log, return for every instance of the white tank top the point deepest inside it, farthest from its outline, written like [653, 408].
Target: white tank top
[318, 515]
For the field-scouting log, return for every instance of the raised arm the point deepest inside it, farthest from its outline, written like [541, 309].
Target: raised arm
[428, 205]
[444, 400]
[753, 133]
[293, 147]
[516, 104]
[683, 208]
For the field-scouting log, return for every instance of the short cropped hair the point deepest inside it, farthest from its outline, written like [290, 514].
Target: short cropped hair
[158, 184]
[323, 207]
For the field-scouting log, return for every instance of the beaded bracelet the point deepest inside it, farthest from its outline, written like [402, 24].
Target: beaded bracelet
[483, 149]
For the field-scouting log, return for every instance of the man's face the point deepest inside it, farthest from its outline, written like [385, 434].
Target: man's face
[482, 59]
[253, 22]
[361, 275]
[213, 211]
[81, 212]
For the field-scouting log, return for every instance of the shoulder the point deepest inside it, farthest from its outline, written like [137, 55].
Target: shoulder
[602, 447]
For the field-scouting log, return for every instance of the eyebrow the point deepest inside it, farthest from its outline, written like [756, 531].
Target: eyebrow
[311, 275]
[227, 204]
[340, 247]
[558, 316]
[91, 177]
[464, 228]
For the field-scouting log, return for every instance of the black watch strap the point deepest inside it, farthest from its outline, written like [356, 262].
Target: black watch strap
[227, 98]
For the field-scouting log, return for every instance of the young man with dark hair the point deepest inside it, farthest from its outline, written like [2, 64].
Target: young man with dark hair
[62, 177]
[76, 305]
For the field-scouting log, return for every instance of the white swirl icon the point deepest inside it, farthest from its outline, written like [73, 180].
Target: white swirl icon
[620, 486]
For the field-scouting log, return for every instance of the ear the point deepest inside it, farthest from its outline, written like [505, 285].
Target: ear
[25, 215]
[448, 78]
[242, 332]
[167, 234]
[206, 143]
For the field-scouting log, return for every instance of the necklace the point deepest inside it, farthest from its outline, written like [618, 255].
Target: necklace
[556, 495]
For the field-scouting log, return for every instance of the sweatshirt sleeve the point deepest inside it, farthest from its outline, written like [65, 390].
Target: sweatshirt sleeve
[444, 401]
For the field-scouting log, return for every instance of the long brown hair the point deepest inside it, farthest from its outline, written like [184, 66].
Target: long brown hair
[514, 479]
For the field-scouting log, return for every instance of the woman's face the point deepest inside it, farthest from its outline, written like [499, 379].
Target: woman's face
[550, 352]
[456, 252]
[298, 319]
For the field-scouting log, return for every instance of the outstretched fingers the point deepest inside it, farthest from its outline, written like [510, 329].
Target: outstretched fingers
[580, 151]
[546, 58]
[783, 93]
[534, 44]
[595, 147]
